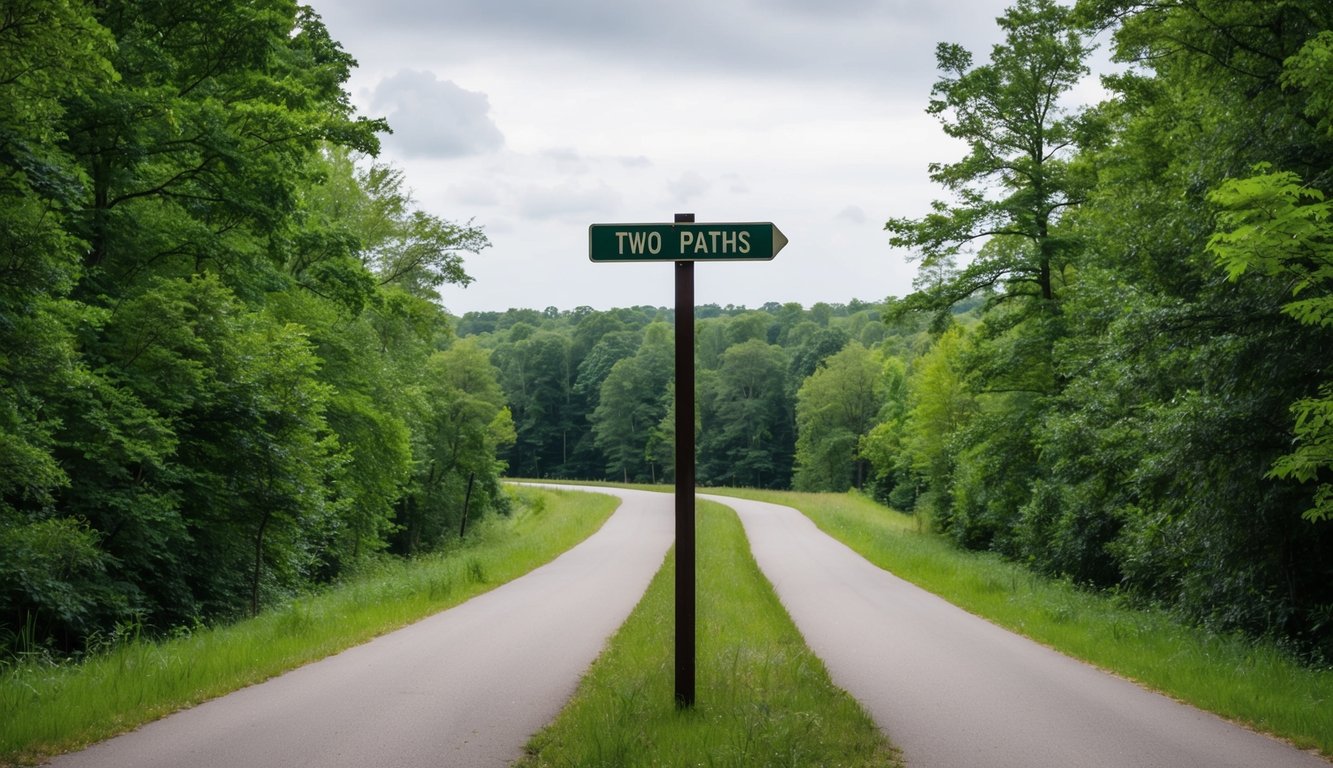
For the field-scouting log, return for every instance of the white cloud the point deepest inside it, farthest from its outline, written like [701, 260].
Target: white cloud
[880, 45]
[567, 200]
[475, 193]
[689, 186]
[435, 118]
[853, 214]
[735, 184]
[563, 155]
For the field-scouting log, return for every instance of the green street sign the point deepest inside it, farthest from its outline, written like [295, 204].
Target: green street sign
[684, 242]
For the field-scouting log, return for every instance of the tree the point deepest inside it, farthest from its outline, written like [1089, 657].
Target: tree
[216, 330]
[538, 381]
[940, 404]
[882, 446]
[835, 408]
[751, 325]
[632, 403]
[52, 573]
[749, 442]
[1179, 384]
[822, 344]
[1014, 193]
[362, 228]
[367, 373]
[195, 158]
[1278, 226]
[462, 421]
[1016, 180]
[203, 455]
[592, 369]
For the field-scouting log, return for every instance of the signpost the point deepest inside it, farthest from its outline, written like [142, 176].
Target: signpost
[684, 242]
[686, 588]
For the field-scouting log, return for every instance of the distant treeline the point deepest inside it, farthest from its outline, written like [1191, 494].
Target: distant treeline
[591, 392]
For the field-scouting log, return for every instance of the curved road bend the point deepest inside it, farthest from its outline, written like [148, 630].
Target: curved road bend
[465, 687]
[954, 691]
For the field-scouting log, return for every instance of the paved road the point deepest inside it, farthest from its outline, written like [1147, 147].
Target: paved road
[466, 687]
[954, 691]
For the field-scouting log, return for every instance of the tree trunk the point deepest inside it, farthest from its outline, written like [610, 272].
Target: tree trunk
[259, 564]
[467, 499]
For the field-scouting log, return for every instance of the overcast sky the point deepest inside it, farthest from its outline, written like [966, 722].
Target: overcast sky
[537, 118]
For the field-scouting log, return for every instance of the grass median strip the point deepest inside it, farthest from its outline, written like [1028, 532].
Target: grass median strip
[48, 708]
[1247, 681]
[763, 698]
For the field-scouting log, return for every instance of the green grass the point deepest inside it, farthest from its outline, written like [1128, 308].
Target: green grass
[763, 698]
[49, 708]
[1251, 682]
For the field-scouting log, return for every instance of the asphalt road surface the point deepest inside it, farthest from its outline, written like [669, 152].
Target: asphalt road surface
[954, 691]
[466, 687]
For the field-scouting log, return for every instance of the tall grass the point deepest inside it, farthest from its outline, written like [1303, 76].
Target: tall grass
[1248, 681]
[47, 708]
[763, 698]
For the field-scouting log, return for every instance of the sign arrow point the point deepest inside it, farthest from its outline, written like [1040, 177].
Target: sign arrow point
[779, 240]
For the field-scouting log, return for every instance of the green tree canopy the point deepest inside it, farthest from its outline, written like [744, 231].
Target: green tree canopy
[835, 408]
[1016, 180]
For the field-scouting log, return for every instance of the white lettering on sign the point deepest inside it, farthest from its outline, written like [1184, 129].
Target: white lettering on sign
[715, 242]
[639, 242]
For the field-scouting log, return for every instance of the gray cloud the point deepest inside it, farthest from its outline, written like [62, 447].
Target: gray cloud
[853, 214]
[435, 118]
[565, 155]
[567, 200]
[882, 45]
[565, 160]
[475, 194]
[689, 186]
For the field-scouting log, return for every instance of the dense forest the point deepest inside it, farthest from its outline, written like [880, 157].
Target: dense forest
[1114, 367]
[227, 378]
[592, 392]
[225, 373]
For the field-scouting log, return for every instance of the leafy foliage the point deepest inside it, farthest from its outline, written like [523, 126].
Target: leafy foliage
[1154, 416]
[224, 373]
[592, 398]
[1016, 180]
[1281, 228]
[835, 409]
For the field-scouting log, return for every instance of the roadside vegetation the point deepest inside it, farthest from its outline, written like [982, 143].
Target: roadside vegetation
[49, 706]
[1257, 683]
[763, 698]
